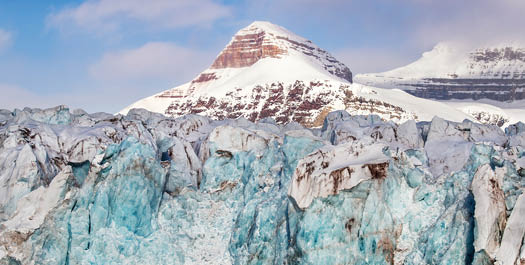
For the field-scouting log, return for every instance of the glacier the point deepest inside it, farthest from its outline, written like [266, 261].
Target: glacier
[79, 188]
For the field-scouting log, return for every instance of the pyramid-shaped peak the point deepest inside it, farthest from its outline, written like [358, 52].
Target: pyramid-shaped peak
[257, 41]
[262, 40]
[265, 26]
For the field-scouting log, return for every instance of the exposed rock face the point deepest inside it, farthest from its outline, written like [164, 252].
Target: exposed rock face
[501, 54]
[205, 77]
[299, 102]
[486, 117]
[457, 88]
[245, 50]
[264, 40]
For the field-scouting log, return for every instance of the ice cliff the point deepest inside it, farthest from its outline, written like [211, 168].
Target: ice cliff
[78, 188]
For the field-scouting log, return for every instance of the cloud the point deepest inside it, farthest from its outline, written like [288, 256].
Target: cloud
[5, 39]
[480, 22]
[17, 97]
[409, 26]
[111, 99]
[14, 96]
[110, 15]
[154, 60]
[124, 76]
[113, 81]
[368, 60]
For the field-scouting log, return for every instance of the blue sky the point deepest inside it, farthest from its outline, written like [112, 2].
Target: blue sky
[101, 55]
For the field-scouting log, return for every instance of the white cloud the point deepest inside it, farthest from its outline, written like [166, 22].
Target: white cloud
[368, 60]
[116, 80]
[110, 99]
[17, 97]
[109, 15]
[5, 39]
[399, 28]
[154, 60]
[471, 22]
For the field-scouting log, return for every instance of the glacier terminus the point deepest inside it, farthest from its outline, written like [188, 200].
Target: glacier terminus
[79, 188]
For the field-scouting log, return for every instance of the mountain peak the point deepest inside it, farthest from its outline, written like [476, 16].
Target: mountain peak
[264, 71]
[265, 26]
[271, 30]
[261, 40]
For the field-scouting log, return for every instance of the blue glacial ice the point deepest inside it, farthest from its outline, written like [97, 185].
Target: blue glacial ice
[78, 188]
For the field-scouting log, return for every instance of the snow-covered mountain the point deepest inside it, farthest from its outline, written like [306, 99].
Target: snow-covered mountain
[79, 188]
[267, 71]
[452, 71]
[486, 83]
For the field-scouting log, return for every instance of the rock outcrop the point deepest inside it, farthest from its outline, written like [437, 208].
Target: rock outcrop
[246, 49]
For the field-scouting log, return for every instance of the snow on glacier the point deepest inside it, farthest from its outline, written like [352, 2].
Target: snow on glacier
[80, 188]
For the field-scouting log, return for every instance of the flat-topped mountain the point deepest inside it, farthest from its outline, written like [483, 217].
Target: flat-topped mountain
[451, 72]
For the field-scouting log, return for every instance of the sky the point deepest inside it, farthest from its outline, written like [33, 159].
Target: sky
[102, 55]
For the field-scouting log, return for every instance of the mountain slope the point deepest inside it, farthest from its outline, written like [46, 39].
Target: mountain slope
[267, 71]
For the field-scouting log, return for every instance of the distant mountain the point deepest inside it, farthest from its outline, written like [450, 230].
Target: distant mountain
[451, 72]
[267, 71]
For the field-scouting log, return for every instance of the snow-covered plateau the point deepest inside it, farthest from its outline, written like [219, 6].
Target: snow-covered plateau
[486, 82]
[452, 70]
[79, 188]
